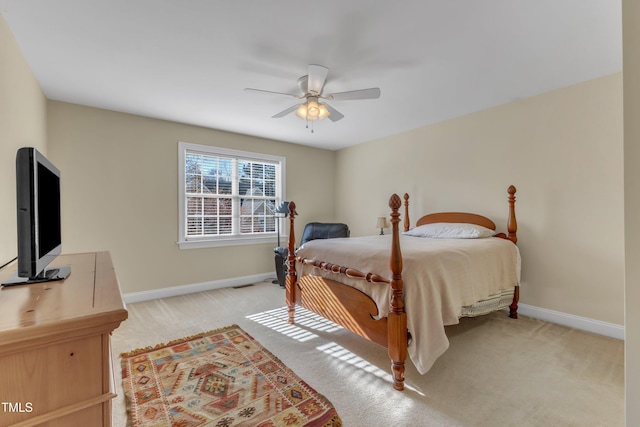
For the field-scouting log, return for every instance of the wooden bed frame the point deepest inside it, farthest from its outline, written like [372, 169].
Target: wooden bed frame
[356, 311]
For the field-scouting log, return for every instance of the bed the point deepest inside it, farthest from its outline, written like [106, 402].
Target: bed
[401, 290]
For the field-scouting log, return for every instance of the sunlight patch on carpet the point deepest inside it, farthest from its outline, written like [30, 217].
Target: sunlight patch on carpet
[278, 320]
[344, 355]
[339, 352]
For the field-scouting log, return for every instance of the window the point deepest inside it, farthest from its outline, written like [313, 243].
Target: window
[227, 197]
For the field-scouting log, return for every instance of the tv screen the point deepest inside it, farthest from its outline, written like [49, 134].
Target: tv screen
[38, 218]
[48, 200]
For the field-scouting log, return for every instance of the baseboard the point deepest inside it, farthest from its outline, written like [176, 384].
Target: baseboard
[173, 291]
[583, 323]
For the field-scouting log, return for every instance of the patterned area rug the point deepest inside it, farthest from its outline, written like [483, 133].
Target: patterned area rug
[220, 378]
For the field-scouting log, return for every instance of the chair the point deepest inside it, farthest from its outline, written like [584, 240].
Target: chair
[312, 231]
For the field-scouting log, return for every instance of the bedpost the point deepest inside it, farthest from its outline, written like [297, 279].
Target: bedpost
[512, 229]
[512, 224]
[291, 265]
[407, 223]
[397, 317]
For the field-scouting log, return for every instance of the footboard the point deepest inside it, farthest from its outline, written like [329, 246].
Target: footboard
[348, 306]
[344, 305]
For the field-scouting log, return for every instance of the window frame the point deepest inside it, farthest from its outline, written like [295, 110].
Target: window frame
[186, 242]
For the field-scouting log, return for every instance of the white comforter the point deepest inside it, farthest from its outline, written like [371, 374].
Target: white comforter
[440, 277]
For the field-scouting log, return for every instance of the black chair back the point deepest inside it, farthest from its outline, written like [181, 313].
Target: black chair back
[323, 230]
[312, 231]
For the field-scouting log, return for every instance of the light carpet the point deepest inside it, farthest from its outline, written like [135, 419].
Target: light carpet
[497, 372]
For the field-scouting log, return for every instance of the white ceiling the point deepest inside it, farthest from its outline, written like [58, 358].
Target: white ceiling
[189, 61]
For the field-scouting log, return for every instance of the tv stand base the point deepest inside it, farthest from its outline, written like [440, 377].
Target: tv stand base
[48, 275]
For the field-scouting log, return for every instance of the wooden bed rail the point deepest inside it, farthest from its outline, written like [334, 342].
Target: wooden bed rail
[349, 272]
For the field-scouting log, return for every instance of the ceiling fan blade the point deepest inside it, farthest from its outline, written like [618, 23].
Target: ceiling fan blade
[334, 115]
[371, 93]
[248, 89]
[285, 112]
[317, 76]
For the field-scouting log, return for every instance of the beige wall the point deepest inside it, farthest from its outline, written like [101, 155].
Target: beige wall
[562, 150]
[22, 123]
[120, 193]
[631, 54]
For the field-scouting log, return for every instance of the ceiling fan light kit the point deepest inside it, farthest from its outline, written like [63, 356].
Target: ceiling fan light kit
[312, 110]
[311, 87]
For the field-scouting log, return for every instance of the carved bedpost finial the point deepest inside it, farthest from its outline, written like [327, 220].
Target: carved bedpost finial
[395, 202]
[512, 224]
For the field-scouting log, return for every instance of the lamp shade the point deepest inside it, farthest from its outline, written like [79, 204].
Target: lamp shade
[382, 223]
[302, 111]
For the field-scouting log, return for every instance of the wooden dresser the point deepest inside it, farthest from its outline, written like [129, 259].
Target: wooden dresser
[55, 355]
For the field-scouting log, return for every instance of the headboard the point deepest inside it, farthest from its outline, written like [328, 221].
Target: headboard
[461, 217]
[469, 218]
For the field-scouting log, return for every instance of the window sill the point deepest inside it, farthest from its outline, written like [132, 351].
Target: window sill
[232, 241]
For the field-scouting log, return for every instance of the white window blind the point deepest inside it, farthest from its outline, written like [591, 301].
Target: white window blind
[228, 196]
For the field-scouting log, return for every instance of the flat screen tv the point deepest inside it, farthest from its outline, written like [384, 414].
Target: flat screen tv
[38, 219]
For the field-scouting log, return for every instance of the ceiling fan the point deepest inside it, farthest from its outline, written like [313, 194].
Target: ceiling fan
[313, 106]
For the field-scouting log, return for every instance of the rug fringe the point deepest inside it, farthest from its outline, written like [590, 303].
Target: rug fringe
[138, 351]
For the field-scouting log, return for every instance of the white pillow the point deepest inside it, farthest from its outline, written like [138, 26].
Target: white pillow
[450, 230]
